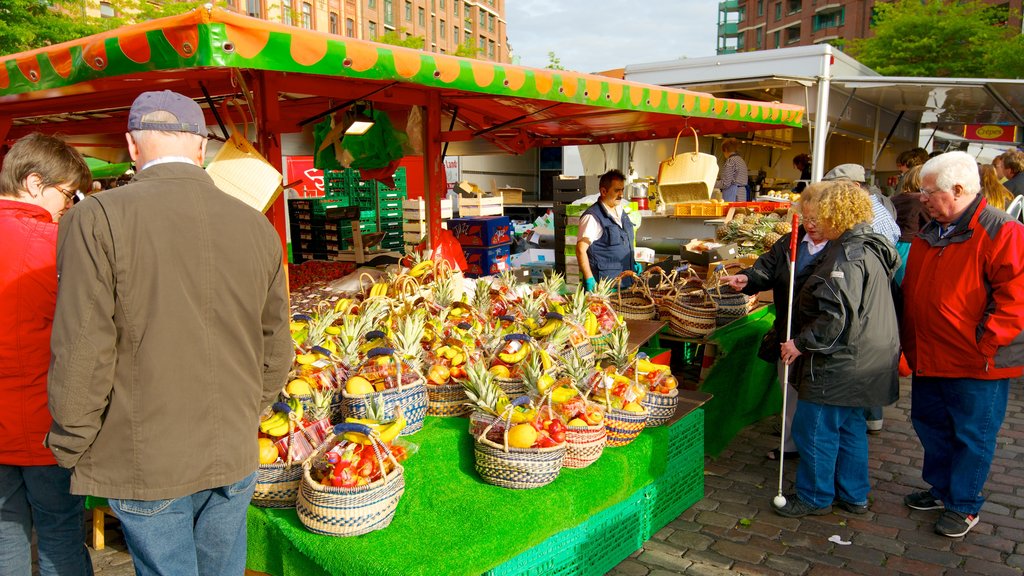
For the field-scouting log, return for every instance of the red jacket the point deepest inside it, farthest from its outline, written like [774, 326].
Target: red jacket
[963, 311]
[28, 295]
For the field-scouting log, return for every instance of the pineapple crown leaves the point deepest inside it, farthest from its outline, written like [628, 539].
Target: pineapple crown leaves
[376, 408]
[482, 297]
[529, 307]
[507, 278]
[322, 318]
[553, 284]
[557, 339]
[603, 289]
[532, 371]
[618, 348]
[353, 328]
[442, 290]
[374, 310]
[320, 407]
[577, 305]
[481, 388]
[408, 333]
[577, 368]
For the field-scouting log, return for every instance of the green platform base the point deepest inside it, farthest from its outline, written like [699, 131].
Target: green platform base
[449, 522]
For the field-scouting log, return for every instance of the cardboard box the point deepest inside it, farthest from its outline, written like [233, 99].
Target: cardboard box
[489, 231]
[532, 256]
[715, 253]
[512, 195]
[486, 261]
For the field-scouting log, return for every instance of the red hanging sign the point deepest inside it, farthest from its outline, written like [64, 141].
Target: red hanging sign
[991, 132]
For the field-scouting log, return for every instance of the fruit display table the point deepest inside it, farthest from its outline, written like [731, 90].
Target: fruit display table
[451, 522]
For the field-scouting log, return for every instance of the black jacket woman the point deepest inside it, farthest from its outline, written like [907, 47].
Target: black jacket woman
[844, 354]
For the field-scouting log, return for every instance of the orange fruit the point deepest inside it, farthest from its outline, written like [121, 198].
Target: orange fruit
[500, 371]
[577, 423]
[268, 452]
[522, 436]
[633, 407]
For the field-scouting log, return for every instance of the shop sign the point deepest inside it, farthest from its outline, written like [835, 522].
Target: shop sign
[991, 132]
[310, 180]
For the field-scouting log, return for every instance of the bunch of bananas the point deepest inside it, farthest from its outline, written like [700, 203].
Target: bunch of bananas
[590, 324]
[280, 422]
[516, 349]
[552, 322]
[379, 290]
[421, 268]
[643, 366]
[385, 432]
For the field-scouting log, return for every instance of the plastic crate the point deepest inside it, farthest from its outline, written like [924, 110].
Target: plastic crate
[387, 204]
[391, 225]
[685, 442]
[592, 548]
[575, 209]
[675, 491]
[390, 214]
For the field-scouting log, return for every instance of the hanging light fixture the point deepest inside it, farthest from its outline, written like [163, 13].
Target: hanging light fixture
[358, 120]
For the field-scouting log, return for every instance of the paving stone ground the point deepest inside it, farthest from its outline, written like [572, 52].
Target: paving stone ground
[734, 531]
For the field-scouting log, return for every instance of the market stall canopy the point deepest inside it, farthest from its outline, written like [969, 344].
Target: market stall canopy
[85, 87]
[103, 169]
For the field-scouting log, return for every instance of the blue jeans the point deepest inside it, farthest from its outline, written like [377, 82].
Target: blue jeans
[199, 535]
[833, 444]
[40, 497]
[957, 420]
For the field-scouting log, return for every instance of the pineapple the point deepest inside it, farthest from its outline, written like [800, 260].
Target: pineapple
[375, 408]
[320, 407]
[442, 290]
[324, 317]
[603, 289]
[576, 307]
[507, 279]
[482, 298]
[770, 239]
[532, 373]
[617, 354]
[482, 390]
[529, 308]
[578, 369]
[552, 286]
[409, 331]
[783, 228]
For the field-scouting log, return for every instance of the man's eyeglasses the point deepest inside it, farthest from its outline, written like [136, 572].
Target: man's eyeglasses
[927, 192]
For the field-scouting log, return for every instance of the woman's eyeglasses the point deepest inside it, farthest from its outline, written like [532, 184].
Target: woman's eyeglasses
[72, 196]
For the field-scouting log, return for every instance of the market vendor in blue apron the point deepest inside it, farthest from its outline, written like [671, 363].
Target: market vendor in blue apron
[604, 245]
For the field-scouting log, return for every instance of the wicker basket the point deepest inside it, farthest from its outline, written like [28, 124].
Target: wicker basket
[732, 305]
[693, 315]
[338, 511]
[516, 468]
[623, 426]
[660, 407]
[662, 288]
[447, 400]
[584, 445]
[412, 397]
[635, 302]
[277, 484]
[512, 387]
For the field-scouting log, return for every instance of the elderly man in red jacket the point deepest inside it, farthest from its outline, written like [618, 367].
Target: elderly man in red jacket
[962, 336]
[38, 181]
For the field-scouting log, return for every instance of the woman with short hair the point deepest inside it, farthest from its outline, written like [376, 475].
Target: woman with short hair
[844, 354]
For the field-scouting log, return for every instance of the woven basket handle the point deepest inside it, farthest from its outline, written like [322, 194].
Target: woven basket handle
[505, 415]
[696, 144]
[379, 448]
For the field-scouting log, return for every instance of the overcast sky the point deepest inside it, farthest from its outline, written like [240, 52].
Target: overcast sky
[595, 35]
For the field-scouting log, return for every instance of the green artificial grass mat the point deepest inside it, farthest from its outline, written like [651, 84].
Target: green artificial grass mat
[449, 521]
[745, 388]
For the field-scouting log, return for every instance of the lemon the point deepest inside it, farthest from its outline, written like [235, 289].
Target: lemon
[298, 387]
[577, 423]
[268, 452]
[522, 436]
[500, 371]
[633, 407]
[305, 358]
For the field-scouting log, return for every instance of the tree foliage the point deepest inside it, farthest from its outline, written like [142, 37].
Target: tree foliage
[395, 39]
[940, 38]
[554, 62]
[31, 24]
[466, 51]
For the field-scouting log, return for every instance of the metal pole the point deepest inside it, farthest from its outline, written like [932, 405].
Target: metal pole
[821, 116]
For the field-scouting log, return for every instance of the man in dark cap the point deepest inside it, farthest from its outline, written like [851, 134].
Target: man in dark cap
[170, 336]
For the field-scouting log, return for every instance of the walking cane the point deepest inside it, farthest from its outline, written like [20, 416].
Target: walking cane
[780, 501]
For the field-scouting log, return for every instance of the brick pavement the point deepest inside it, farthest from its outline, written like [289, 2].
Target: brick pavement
[733, 530]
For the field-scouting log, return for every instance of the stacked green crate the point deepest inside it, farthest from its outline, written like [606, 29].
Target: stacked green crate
[339, 234]
[389, 211]
[341, 184]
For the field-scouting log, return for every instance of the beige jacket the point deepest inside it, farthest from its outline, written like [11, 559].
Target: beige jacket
[170, 335]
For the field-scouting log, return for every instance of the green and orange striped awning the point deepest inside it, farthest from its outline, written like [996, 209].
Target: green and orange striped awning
[86, 86]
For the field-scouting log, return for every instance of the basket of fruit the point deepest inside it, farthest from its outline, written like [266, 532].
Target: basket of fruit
[350, 486]
[392, 373]
[384, 374]
[506, 364]
[662, 396]
[625, 417]
[635, 302]
[693, 314]
[585, 434]
[445, 395]
[284, 444]
[528, 456]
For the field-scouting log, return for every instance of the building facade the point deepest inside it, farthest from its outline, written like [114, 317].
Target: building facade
[748, 25]
[477, 26]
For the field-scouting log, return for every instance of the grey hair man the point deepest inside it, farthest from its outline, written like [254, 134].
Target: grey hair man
[170, 337]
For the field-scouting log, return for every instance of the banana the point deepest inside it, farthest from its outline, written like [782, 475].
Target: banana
[343, 305]
[296, 407]
[514, 357]
[590, 324]
[545, 360]
[274, 422]
[548, 327]
[421, 268]
[644, 366]
[387, 433]
[563, 394]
